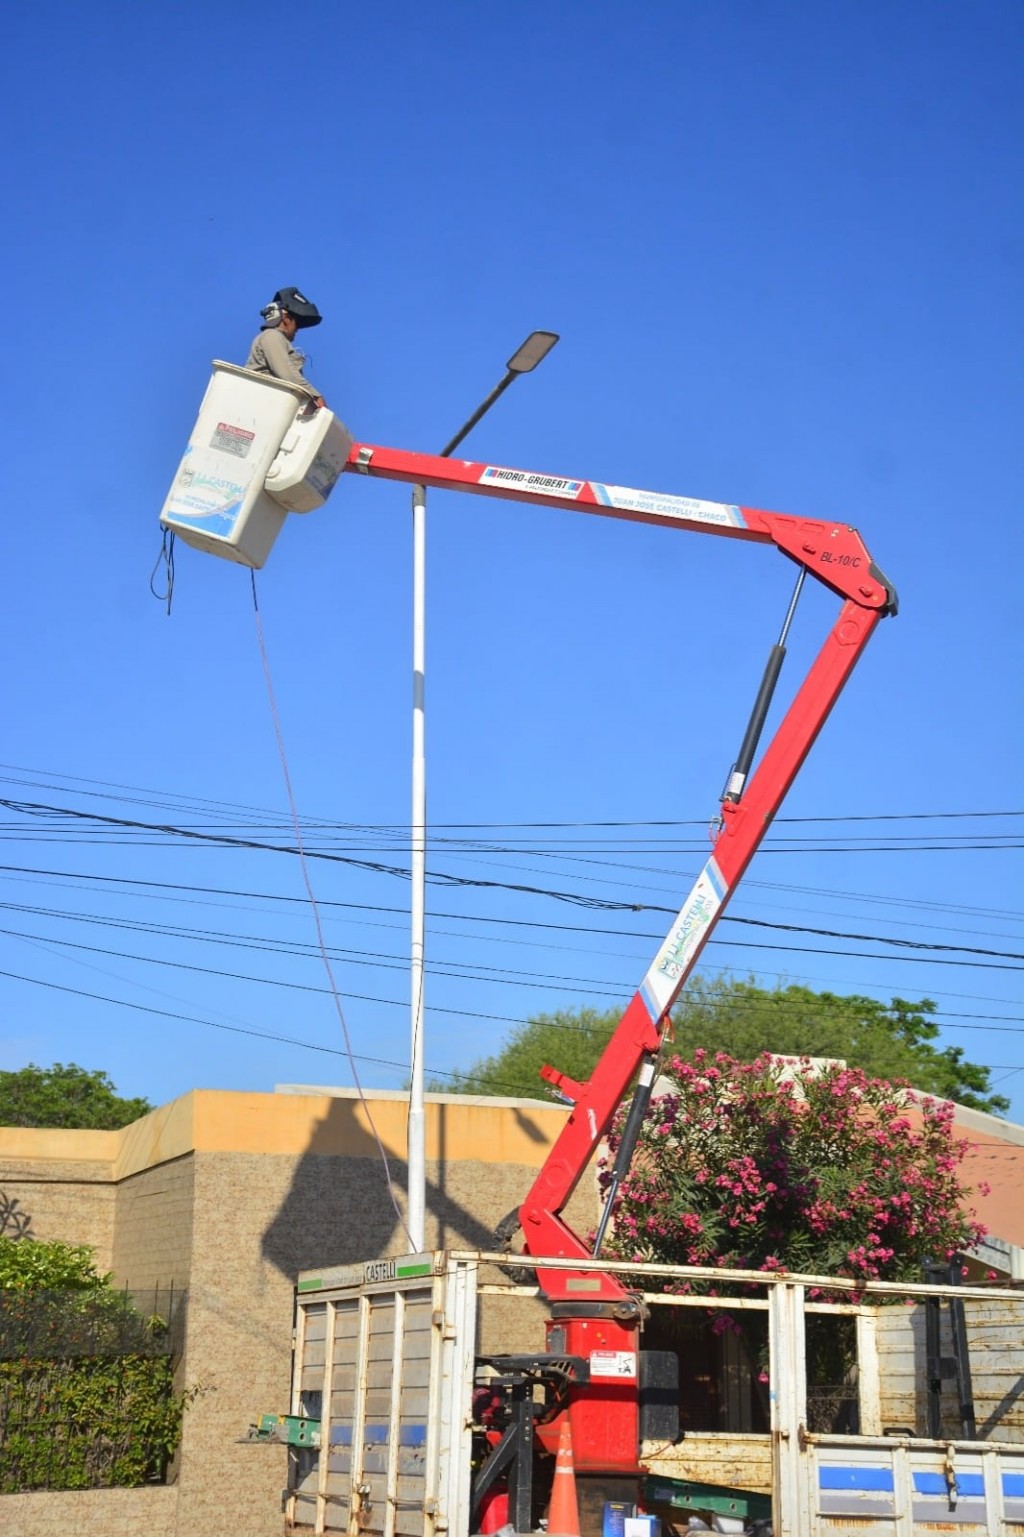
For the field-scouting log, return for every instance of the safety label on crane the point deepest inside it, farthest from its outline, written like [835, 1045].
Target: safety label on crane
[613, 1363]
[686, 509]
[232, 439]
[672, 963]
[524, 480]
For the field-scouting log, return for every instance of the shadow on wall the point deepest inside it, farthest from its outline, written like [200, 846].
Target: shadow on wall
[339, 1208]
[14, 1222]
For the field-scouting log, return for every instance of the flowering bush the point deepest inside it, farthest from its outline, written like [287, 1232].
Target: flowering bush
[743, 1165]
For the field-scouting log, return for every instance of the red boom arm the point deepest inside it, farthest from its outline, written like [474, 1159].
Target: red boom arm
[836, 556]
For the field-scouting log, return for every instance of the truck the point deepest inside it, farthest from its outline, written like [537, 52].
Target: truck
[414, 1414]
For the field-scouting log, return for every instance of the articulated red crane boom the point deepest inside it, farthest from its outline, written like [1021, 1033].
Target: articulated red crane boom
[235, 510]
[594, 1315]
[833, 553]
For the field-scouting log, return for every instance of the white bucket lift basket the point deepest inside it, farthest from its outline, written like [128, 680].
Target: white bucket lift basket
[259, 450]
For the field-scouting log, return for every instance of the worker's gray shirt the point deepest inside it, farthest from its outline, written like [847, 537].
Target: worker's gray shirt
[273, 353]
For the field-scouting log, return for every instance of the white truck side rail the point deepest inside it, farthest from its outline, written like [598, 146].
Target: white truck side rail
[384, 1359]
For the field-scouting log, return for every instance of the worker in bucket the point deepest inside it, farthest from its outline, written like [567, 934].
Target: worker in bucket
[272, 351]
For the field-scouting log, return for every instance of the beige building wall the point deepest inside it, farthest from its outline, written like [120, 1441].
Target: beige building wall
[92, 1513]
[231, 1195]
[61, 1181]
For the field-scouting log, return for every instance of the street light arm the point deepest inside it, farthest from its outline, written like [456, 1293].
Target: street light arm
[481, 410]
[523, 361]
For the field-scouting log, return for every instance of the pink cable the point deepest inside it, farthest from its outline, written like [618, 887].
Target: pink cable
[316, 914]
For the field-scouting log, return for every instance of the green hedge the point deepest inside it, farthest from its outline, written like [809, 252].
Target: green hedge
[92, 1423]
[87, 1396]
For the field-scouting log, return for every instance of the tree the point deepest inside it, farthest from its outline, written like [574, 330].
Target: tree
[758, 1167]
[571, 1040]
[62, 1095]
[885, 1040]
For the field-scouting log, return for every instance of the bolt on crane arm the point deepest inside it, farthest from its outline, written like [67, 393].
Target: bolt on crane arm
[835, 555]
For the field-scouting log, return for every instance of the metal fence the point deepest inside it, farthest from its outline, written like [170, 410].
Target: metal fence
[87, 1389]
[66, 1325]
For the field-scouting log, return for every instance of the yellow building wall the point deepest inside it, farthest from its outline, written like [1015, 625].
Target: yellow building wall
[230, 1195]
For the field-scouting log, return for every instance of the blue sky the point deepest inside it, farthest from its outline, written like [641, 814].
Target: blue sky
[782, 244]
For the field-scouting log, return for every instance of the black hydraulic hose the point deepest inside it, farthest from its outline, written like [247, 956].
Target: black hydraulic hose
[759, 714]
[627, 1146]
[755, 725]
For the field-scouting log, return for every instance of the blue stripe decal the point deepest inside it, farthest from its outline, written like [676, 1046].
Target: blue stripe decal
[935, 1483]
[412, 1435]
[220, 522]
[373, 1435]
[855, 1478]
[714, 875]
[600, 493]
[650, 1002]
[1013, 1485]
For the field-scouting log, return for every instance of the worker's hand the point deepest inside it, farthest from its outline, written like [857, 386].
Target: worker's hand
[319, 401]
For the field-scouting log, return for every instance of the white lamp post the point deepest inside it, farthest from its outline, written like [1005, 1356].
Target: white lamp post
[533, 351]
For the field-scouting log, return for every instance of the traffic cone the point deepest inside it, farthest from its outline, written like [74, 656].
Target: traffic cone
[564, 1511]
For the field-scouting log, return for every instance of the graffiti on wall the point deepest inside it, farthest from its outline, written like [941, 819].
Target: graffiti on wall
[14, 1223]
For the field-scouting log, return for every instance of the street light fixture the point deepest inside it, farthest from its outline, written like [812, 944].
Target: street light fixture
[533, 351]
[523, 361]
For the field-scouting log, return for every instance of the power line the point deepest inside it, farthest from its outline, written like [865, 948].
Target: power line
[775, 845]
[927, 949]
[223, 840]
[576, 897]
[268, 896]
[596, 903]
[458, 917]
[150, 796]
[212, 1024]
[613, 991]
[123, 829]
[273, 1036]
[936, 953]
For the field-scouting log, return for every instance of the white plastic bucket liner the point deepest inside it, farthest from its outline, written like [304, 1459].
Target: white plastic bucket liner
[311, 457]
[257, 451]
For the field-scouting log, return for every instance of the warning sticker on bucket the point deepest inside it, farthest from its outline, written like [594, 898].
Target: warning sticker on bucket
[233, 440]
[613, 1363]
[524, 480]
